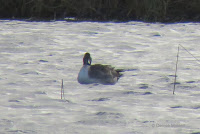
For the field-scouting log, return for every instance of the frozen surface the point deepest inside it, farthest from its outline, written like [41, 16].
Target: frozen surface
[35, 56]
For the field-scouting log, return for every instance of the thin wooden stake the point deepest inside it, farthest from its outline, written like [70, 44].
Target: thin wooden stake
[176, 70]
[62, 90]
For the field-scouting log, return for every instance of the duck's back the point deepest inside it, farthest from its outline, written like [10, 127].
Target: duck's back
[103, 73]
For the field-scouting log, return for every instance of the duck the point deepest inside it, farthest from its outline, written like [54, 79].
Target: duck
[98, 73]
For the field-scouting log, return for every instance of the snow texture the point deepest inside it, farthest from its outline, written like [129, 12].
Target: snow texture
[36, 56]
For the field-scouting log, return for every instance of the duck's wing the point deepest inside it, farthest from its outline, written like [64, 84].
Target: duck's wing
[104, 73]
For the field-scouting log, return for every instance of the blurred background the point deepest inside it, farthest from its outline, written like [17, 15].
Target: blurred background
[102, 10]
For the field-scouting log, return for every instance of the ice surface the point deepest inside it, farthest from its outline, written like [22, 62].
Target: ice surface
[36, 56]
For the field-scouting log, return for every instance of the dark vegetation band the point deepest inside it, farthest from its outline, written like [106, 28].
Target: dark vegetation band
[103, 10]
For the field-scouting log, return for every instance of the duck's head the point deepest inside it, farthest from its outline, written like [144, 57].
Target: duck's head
[87, 60]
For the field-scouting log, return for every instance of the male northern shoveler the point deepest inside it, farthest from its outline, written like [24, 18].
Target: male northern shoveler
[104, 74]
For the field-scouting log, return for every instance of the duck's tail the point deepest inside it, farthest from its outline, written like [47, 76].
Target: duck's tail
[119, 71]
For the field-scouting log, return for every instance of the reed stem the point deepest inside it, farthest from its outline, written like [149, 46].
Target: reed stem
[176, 71]
[62, 90]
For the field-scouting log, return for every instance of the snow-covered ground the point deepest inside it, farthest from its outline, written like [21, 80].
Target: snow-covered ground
[36, 56]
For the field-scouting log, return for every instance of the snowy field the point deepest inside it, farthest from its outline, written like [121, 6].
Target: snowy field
[36, 56]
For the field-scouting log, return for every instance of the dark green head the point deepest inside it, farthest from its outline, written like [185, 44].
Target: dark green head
[87, 60]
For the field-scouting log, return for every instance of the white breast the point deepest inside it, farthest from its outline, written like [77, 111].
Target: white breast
[83, 77]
